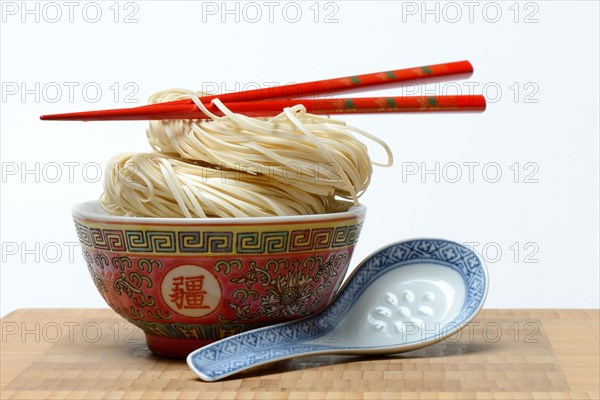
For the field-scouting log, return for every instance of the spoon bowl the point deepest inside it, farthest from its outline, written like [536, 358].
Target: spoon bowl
[404, 296]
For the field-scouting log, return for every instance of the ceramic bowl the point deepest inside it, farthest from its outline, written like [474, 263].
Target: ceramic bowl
[190, 282]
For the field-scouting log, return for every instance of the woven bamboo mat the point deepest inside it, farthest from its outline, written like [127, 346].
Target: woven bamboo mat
[502, 354]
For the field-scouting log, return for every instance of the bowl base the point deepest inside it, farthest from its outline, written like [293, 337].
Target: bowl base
[173, 348]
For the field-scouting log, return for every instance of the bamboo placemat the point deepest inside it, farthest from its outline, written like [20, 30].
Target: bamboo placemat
[502, 354]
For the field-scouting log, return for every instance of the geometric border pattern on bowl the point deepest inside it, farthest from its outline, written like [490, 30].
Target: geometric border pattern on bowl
[188, 241]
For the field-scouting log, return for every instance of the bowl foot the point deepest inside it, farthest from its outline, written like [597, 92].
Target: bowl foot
[174, 348]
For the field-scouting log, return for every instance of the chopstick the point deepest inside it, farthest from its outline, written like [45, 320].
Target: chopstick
[356, 105]
[328, 86]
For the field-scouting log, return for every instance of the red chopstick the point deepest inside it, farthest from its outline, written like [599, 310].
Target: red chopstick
[328, 86]
[356, 105]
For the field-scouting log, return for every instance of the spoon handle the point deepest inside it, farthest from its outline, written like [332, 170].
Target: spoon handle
[250, 349]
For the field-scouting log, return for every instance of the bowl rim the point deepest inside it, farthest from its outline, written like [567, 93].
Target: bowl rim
[91, 210]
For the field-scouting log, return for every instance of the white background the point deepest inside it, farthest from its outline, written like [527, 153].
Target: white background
[537, 62]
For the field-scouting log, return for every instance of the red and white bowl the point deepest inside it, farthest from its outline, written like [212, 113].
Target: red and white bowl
[189, 282]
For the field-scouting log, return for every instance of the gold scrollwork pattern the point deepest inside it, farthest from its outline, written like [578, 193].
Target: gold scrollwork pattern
[122, 263]
[101, 260]
[148, 264]
[159, 314]
[132, 285]
[226, 266]
[288, 288]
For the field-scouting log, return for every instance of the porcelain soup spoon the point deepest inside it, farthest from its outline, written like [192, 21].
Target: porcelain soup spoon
[404, 296]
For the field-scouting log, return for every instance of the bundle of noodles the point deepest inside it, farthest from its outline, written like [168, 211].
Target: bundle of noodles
[239, 166]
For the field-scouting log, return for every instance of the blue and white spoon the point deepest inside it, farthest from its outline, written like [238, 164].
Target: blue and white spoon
[404, 296]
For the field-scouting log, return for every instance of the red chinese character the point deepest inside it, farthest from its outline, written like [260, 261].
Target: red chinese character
[188, 292]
